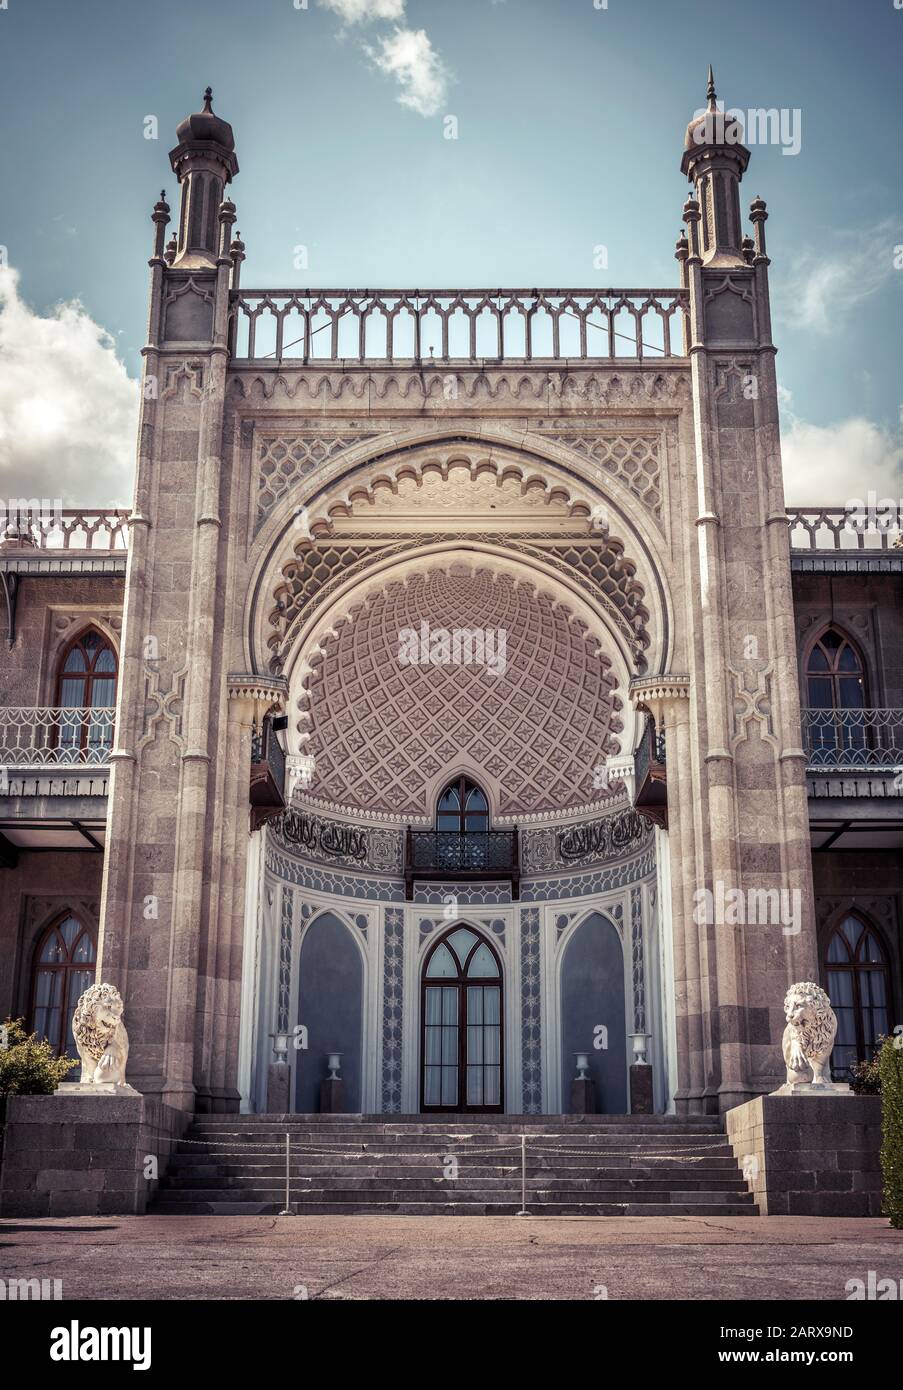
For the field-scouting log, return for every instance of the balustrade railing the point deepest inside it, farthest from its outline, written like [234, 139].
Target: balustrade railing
[451, 854]
[26, 527]
[44, 736]
[456, 325]
[448, 851]
[855, 738]
[844, 528]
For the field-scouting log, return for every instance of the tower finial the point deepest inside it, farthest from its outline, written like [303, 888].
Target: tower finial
[710, 91]
[208, 97]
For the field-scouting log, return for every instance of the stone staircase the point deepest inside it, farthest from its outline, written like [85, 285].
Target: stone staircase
[594, 1165]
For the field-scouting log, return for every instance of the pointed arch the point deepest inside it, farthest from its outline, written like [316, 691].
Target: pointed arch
[87, 674]
[63, 967]
[835, 671]
[462, 1023]
[858, 981]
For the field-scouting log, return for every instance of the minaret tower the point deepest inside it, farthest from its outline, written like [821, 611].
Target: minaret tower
[715, 161]
[742, 821]
[204, 162]
[165, 914]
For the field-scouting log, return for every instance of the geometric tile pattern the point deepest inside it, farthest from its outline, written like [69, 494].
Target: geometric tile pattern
[637, 960]
[318, 567]
[283, 461]
[531, 1011]
[393, 1009]
[633, 460]
[585, 884]
[380, 730]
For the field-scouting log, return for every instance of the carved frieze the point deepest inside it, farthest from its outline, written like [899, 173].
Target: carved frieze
[596, 841]
[337, 842]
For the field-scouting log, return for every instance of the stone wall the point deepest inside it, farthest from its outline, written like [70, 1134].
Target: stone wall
[810, 1155]
[49, 613]
[31, 895]
[84, 1155]
[869, 608]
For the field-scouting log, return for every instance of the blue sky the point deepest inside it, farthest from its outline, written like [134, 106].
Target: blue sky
[571, 121]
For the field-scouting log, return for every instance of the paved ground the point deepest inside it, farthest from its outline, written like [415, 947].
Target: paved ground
[391, 1257]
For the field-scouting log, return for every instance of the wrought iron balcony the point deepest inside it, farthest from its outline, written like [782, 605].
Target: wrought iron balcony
[45, 736]
[267, 790]
[853, 739]
[465, 326]
[440, 855]
[650, 776]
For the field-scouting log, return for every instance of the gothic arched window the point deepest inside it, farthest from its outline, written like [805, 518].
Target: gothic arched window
[462, 807]
[835, 673]
[461, 1013]
[836, 698]
[64, 965]
[857, 982]
[86, 681]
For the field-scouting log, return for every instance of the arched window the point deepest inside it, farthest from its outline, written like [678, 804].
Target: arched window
[86, 682]
[835, 676]
[461, 1012]
[64, 965]
[857, 983]
[462, 808]
[836, 697]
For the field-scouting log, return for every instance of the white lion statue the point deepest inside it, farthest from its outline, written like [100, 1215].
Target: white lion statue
[100, 1036]
[809, 1035]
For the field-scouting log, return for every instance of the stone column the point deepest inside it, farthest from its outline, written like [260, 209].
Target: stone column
[218, 1018]
[667, 699]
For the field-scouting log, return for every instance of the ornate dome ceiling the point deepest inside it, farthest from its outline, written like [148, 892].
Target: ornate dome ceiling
[384, 732]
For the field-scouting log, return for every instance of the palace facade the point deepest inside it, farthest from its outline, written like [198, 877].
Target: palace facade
[459, 696]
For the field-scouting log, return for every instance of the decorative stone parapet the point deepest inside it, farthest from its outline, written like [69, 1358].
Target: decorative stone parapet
[85, 1155]
[810, 1155]
[654, 693]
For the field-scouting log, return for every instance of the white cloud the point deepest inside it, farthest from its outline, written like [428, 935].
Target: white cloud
[68, 410]
[410, 58]
[824, 285]
[365, 11]
[832, 465]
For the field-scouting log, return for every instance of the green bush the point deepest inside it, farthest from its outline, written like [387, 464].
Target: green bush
[865, 1077]
[28, 1064]
[890, 1063]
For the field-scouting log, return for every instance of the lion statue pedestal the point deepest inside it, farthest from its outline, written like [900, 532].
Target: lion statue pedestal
[807, 1043]
[103, 1045]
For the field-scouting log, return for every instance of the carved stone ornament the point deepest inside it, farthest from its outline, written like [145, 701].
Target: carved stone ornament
[808, 1041]
[102, 1042]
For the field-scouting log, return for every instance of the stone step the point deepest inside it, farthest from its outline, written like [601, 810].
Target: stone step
[676, 1143]
[459, 1208]
[576, 1165]
[452, 1118]
[461, 1118]
[711, 1168]
[508, 1181]
[351, 1196]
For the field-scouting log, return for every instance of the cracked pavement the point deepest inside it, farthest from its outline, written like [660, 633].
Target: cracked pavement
[425, 1258]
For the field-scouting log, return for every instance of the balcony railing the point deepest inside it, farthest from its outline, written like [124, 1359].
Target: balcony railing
[856, 738]
[650, 775]
[48, 737]
[843, 528]
[450, 854]
[456, 325]
[80, 529]
[267, 791]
